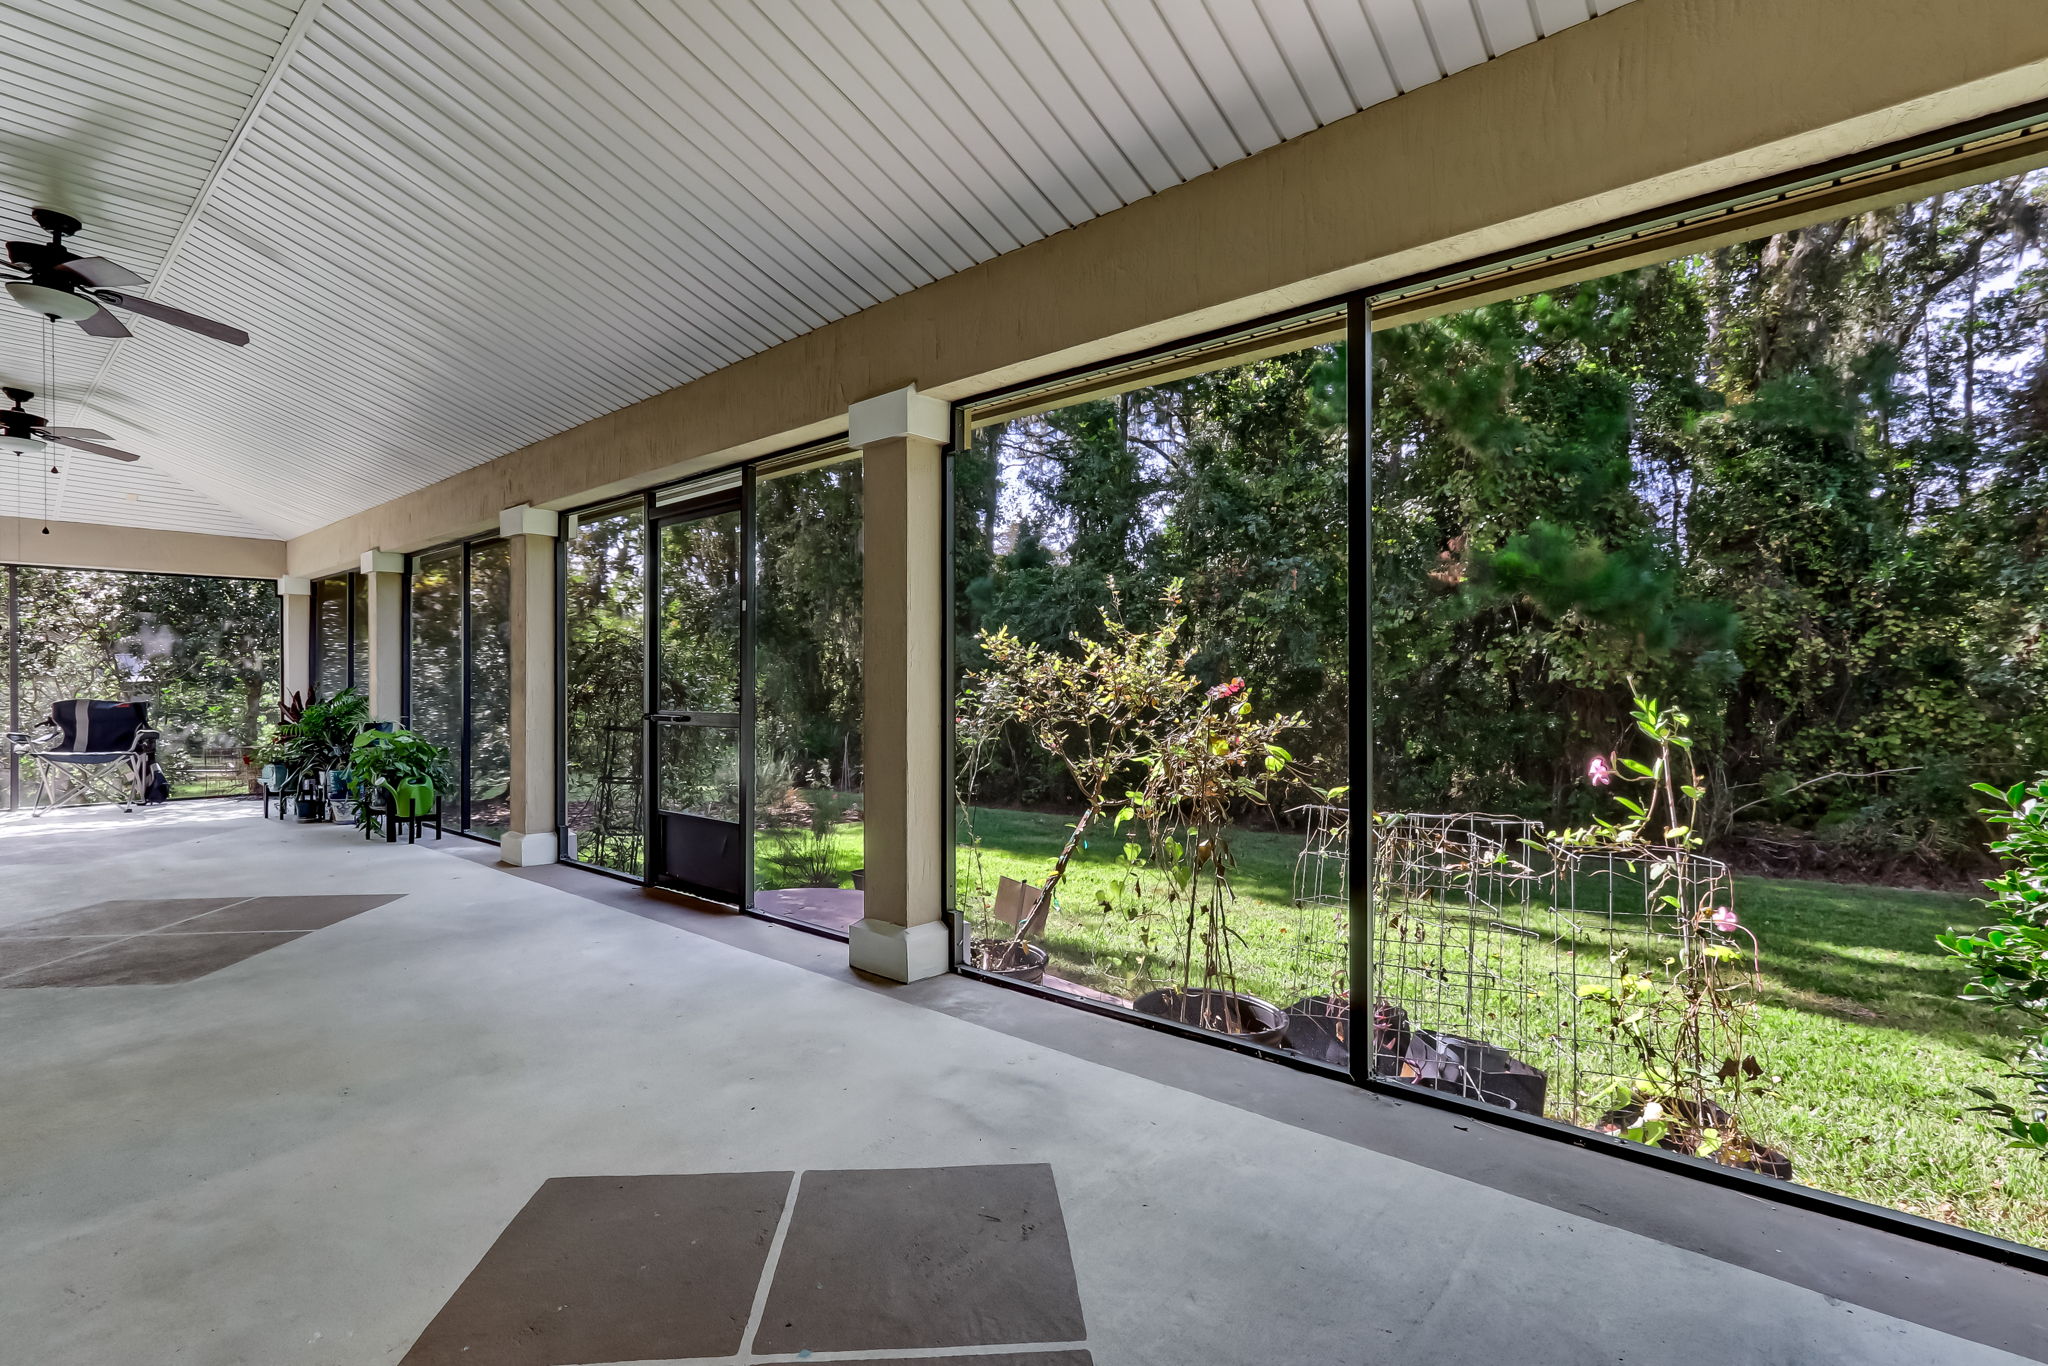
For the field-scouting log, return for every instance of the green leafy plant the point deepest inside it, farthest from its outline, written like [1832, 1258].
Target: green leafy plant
[392, 762]
[1688, 1017]
[805, 855]
[1166, 763]
[2008, 959]
[320, 734]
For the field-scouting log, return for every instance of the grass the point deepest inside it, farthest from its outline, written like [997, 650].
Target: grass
[1861, 1029]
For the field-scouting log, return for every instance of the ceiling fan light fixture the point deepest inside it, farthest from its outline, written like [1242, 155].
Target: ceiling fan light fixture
[52, 303]
[22, 443]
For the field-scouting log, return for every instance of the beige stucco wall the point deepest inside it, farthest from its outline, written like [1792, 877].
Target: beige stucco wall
[84, 545]
[1655, 102]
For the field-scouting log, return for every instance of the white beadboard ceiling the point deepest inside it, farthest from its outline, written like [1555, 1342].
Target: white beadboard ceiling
[457, 226]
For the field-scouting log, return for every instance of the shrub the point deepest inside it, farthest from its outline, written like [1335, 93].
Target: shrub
[2009, 958]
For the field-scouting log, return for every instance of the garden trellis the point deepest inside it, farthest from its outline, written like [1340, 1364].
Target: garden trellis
[1498, 943]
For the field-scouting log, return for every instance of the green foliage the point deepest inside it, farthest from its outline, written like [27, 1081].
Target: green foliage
[392, 762]
[1232, 483]
[322, 735]
[202, 652]
[1689, 1017]
[1164, 762]
[807, 854]
[2008, 960]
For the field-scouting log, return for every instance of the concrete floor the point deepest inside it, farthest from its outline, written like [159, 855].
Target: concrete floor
[298, 1158]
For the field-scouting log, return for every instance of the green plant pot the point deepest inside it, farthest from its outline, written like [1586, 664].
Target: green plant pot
[415, 799]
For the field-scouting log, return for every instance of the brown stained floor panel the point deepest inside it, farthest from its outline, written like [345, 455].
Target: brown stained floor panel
[924, 1257]
[1072, 1358]
[287, 913]
[149, 960]
[614, 1268]
[18, 955]
[118, 917]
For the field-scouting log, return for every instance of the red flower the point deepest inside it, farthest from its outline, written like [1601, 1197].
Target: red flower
[1224, 690]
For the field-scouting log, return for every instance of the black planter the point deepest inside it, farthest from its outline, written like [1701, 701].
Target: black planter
[1317, 1028]
[1224, 1012]
[1008, 958]
[1684, 1136]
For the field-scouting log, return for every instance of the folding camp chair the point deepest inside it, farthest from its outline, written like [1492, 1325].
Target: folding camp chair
[88, 750]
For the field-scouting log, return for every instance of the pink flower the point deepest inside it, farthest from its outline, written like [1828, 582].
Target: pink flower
[1598, 773]
[1223, 690]
[1723, 919]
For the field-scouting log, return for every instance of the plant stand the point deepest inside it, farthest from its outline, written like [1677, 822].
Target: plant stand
[411, 822]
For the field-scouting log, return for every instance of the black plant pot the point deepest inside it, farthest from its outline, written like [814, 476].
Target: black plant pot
[1008, 958]
[1225, 1012]
[1684, 1135]
[1318, 1028]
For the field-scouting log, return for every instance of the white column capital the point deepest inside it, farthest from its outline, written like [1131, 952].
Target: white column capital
[900, 412]
[293, 586]
[527, 520]
[383, 562]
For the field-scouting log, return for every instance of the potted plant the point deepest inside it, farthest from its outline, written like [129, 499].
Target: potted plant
[1213, 759]
[1168, 765]
[395, 771]
[310, 743]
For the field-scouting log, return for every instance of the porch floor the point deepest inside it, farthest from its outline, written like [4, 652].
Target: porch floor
[470, 1122]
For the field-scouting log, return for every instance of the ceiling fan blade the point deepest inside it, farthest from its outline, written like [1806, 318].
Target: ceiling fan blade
[101, 323]
[75, 444]
[99, 272]
[176, 317]
[77, 433]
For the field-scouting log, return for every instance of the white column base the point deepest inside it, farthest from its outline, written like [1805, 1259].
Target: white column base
[902, 953]
[527, 850]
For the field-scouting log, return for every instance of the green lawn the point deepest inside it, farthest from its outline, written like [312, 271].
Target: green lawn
[1860, 1024]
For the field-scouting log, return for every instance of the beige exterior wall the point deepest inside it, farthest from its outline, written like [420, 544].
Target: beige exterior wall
[1653, 103]
[85, 545]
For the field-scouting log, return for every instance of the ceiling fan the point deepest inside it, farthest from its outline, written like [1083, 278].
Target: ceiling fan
[51, 279]
[22, 430]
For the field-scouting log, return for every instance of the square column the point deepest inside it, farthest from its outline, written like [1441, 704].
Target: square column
[295, 642]
[532, 836]
[903, 628]
[383, 681]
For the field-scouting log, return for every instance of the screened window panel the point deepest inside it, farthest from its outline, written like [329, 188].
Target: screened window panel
[1195, 532]
[202, 653]
[808, 845]
[435, 652]
[359, 631]
[489, 639]
[331, 614]
[605, 676]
